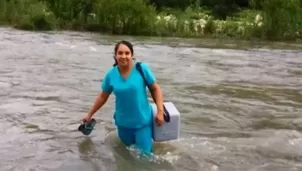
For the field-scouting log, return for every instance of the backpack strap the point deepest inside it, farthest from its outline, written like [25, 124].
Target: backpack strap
[166, 113]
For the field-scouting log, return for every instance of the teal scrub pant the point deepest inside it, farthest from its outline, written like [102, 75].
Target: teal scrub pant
[141, 137]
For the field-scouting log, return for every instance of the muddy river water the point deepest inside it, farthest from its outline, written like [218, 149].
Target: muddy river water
[241, 108]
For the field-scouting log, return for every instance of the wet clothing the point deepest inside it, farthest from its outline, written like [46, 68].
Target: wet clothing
[141, 137]
[133, 113]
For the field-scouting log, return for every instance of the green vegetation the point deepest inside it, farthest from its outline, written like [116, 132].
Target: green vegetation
[243, 19]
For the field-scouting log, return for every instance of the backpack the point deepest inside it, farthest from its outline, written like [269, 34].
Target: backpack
[165, 112]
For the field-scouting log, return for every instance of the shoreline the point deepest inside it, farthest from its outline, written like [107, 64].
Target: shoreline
[252, 23]
[199, 42]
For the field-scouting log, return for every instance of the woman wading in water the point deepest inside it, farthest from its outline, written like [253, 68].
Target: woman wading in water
[133, 113]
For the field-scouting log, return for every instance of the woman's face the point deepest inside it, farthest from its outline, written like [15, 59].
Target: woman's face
[123, 55]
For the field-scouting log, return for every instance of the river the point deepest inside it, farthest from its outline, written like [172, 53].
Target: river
[240, 103]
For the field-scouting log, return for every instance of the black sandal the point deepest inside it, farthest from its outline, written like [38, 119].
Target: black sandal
[87, 127]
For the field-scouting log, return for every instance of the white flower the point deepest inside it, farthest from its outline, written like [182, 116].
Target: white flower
[92, 15]
[168, 17]
[202, 23]
[241, 29]
[258, 18]
[158, 18]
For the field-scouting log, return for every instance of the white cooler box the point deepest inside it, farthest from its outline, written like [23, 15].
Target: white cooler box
[168, 131]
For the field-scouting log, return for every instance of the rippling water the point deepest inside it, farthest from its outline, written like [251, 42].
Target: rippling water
[241, 108]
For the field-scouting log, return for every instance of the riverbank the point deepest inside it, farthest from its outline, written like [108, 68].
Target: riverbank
[207, 43]
[136, 17]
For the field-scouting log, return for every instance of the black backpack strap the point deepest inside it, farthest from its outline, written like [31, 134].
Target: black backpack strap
[166, 113]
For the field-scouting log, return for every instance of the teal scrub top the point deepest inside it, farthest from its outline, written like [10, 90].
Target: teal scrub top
[132, 108]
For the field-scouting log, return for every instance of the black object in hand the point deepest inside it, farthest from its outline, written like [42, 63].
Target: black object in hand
[87, 127]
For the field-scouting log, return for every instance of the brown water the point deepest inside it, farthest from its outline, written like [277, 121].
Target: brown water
[241, 109]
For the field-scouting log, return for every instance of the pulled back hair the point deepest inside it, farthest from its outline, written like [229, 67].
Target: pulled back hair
[124, 42]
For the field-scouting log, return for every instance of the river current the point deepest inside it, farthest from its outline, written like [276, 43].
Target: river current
[240, 105]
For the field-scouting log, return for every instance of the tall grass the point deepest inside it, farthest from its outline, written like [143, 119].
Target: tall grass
[27, 14]
[124, 16]
[272, 19]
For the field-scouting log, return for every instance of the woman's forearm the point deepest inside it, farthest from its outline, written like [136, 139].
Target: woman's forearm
[99, 102]
[158, 96]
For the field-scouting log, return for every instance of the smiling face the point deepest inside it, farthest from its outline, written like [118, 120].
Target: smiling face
[123, 55]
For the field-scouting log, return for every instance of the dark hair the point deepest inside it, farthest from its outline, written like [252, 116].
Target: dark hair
[128, 44]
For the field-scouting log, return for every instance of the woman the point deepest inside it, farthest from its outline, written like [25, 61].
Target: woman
[133, 113]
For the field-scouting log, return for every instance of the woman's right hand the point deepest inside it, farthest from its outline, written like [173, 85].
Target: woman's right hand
[86, 118]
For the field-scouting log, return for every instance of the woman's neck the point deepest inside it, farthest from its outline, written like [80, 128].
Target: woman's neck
[125, 69]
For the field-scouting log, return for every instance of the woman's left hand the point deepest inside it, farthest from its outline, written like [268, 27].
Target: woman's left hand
[159, 118]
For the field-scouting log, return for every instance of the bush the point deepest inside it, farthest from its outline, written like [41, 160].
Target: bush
[29, 15]
[271, 19]
[126, 16]
[282, 19]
